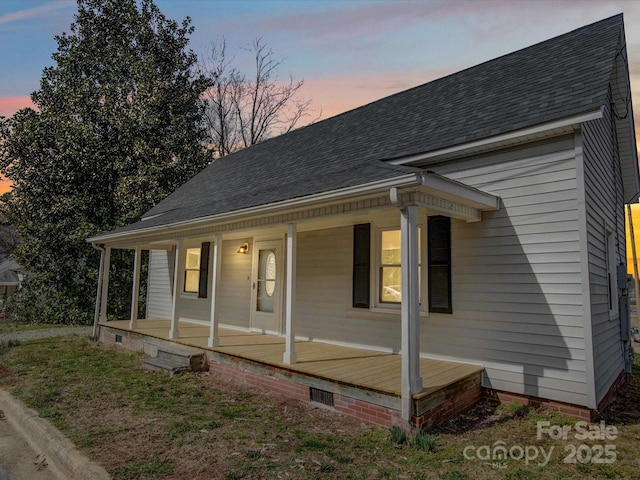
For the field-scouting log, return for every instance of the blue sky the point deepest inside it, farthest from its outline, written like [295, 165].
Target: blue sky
[348, 52]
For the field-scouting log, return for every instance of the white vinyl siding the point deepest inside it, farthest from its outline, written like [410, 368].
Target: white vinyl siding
[516, 280]
[191, 306]
[234, 290]
[517, 288]
[160, 284]
[605, 212]
[323, 294]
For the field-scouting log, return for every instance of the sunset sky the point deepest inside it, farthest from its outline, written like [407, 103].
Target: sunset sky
[348, 52]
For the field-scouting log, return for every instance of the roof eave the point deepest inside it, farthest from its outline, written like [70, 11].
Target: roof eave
[405, 180]
[515, 137]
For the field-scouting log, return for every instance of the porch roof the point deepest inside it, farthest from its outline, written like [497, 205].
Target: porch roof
[429, 190]
[564, 77]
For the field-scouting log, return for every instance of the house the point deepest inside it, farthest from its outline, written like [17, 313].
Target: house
[10, 278]
[466, 234]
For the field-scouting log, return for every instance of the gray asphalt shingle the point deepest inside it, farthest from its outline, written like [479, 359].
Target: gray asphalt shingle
[560, 77]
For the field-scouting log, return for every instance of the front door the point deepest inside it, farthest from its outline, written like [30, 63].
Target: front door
[266, 303]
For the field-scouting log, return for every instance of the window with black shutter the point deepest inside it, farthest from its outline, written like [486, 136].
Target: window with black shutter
[361, 265]
[439, 256]
[204, 270]
[196, 271]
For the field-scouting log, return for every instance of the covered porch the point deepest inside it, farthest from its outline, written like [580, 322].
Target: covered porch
[372, 377]
[317, 270]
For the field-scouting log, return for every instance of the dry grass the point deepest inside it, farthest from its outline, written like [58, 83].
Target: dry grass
[145, 425]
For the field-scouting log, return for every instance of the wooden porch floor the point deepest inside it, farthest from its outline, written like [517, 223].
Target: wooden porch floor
[378, 371]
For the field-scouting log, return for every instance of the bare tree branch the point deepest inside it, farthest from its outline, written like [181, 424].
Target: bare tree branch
[242, 110]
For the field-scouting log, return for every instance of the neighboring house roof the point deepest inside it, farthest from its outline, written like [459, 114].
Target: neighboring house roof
[9, 272]
[562, 77]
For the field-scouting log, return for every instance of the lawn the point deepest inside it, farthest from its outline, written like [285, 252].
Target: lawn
[11, 327]
[145, 425]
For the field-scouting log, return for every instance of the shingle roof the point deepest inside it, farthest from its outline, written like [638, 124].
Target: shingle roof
[560, 77]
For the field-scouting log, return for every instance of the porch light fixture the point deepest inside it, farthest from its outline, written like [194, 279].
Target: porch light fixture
[244, 248]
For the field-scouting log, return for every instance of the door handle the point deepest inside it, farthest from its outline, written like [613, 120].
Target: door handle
[253, 287]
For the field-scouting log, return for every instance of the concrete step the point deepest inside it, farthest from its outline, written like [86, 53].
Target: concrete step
[160, 365]
[175, 361]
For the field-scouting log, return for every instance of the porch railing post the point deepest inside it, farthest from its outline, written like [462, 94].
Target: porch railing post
[174, 332]
[214, 341]
[410, 308]
[135, 294]
[105, 284]
[96, 312]
[289, 356]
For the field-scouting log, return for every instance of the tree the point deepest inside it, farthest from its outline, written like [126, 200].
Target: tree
[118, 126]
[243, 110]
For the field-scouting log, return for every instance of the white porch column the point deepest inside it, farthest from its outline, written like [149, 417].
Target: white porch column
[214, 341]
[410, 309]
[105, 284]
[289, 356]
[174, 333]
[135, 294]
[96, 312]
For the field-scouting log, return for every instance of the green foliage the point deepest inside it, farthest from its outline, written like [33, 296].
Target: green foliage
[117, 128]
[398, 435]
[4, 346]
[423, 441]
[516, 409]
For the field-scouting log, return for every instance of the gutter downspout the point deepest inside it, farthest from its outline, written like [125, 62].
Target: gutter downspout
[96, 312]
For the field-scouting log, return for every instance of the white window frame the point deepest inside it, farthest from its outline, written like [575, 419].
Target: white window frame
[190, 293]
[376, 265]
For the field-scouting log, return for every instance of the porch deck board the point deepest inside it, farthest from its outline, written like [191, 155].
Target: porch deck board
[370, 369]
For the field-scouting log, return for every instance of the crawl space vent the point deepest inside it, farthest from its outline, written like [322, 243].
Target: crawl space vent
[321, 396]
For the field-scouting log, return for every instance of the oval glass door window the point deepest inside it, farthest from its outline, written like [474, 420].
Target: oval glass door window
[270, 274]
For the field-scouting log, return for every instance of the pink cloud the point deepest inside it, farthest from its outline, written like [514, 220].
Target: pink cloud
[10, 105]
[336, 95]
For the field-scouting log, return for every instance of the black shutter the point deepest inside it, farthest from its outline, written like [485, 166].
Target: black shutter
[439, 253]
[361, 265]
[204, 270]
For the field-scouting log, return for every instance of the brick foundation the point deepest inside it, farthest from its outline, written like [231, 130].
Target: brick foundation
[577, 411]
[428, 411]
[617, 385]
[132, 342]
[452, 406]
[370, 407]
[367, 412]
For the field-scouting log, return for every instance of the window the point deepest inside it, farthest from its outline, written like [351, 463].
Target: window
[387, 260]
[439, 253]
[196, 270]
[192, 270]
[390, 284]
